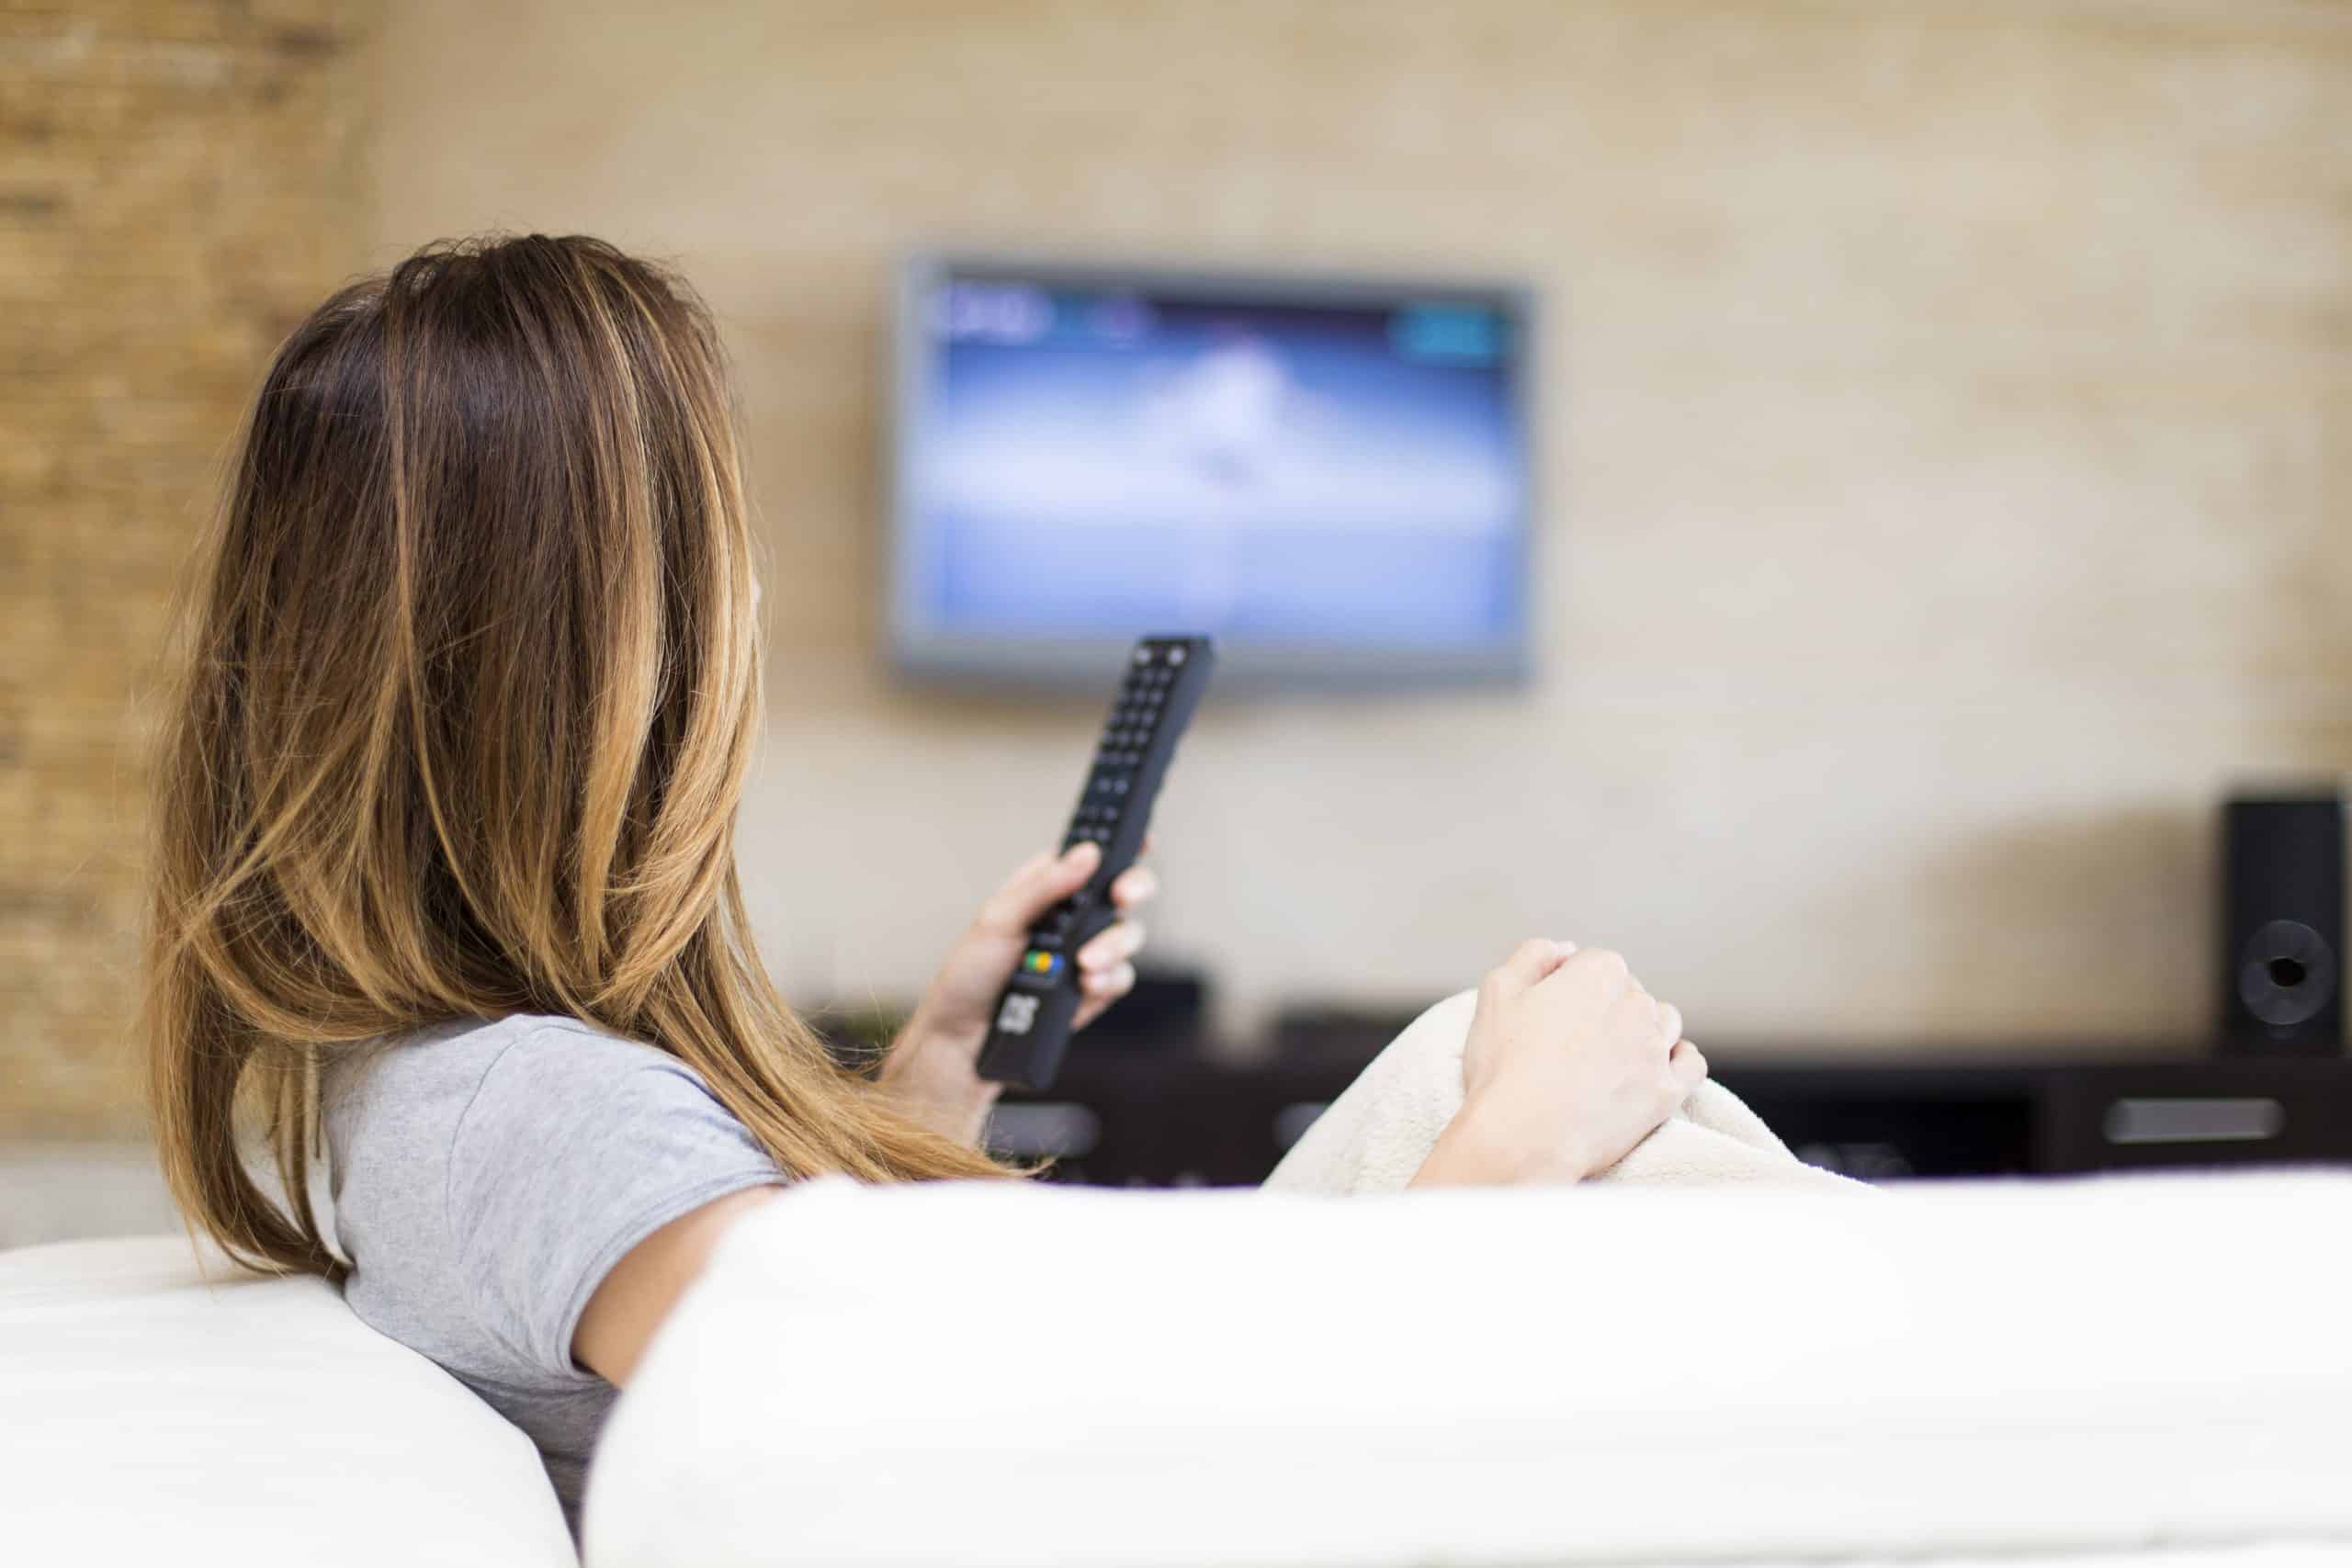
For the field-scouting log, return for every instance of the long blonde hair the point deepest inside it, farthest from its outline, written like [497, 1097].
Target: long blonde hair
[469, 691]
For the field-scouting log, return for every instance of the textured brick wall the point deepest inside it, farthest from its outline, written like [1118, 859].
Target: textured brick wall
[179, 182]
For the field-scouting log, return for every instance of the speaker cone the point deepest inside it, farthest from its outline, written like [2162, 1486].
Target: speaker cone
[2286, 974]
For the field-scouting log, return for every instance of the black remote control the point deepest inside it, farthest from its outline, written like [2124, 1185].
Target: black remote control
[1165, 678]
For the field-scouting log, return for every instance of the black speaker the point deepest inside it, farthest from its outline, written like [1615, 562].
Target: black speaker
[2282, 926]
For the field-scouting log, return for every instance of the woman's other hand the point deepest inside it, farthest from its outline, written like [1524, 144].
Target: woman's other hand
[932, 1064]
[1569, 1063]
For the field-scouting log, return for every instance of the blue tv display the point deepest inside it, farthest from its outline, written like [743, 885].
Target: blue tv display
[1332, 476]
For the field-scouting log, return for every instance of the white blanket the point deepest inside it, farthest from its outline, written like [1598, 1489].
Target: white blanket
[981, 1374]
[1376, 1135]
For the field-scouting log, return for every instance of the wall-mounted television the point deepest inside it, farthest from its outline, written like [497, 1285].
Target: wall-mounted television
[1331, 476]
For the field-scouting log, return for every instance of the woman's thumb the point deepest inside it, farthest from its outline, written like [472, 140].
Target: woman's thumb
[1043, 883]
[1067, 871]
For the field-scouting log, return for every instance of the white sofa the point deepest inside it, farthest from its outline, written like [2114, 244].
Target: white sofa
[157, 1408]
[2156, 1371]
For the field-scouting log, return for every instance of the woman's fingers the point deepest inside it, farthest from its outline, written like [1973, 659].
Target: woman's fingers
[1040, 882]
[1109, 984]
[1099, 991]
[1595, 978]
[1114, 947]
[1688, 1065]
[1527, 964]
[1134, 888]
[1669, 1024]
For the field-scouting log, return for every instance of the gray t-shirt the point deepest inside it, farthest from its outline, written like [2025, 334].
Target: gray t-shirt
[486, 1177]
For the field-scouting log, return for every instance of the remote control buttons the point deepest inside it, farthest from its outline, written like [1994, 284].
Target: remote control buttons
[1056, 922]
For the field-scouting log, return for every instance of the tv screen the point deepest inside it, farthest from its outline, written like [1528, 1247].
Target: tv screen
[1330, 477]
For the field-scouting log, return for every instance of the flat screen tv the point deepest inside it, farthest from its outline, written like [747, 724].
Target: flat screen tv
[1331, 476]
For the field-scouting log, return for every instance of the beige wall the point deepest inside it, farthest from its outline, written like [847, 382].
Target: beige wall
[1947, 468]
[177, 185]
[1950, 460]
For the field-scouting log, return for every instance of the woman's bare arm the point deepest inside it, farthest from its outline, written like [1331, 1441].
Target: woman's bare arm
[639, 1294]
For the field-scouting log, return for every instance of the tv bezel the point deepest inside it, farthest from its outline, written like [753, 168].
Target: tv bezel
[921, 650]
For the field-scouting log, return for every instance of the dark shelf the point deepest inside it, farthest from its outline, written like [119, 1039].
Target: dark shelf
[1169, 1116]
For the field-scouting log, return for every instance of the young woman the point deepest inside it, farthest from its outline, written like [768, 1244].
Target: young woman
[445, 887]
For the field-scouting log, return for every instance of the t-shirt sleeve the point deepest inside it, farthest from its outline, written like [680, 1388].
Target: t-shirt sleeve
[575, 1147]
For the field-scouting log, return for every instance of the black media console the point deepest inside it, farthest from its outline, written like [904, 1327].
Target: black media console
[1168, 1116]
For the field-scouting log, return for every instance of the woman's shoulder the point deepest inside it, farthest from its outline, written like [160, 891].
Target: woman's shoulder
[467, 1110]
[487, 1173]
[445, 1067]
[532, 1031]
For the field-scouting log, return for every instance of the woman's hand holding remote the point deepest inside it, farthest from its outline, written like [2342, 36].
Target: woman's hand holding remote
[1569, 1064]
[930, 1067]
